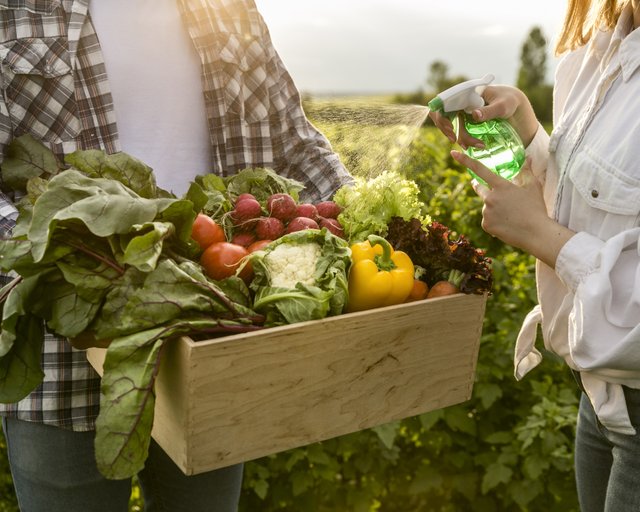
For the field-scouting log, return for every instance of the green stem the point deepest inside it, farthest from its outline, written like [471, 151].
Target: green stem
[383, 260]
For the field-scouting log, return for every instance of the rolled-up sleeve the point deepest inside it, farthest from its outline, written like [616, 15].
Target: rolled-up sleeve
[604, 324]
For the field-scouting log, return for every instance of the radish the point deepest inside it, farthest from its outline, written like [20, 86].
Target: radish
[328, 209]
[246, 209]
[269, 228]
[281, 206]
[307, 210]
[245, 238]
[333, 226]
[245, 195]
[300, 223]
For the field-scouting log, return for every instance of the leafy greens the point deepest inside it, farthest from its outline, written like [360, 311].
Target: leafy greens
[98, 247]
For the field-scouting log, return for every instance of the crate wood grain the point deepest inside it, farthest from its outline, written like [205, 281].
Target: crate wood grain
[245, 396]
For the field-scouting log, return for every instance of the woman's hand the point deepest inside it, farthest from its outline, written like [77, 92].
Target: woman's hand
[86, 340]
[515, 212]
[501, 101]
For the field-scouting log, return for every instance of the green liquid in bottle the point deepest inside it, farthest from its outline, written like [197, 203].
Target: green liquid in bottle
[503, 150]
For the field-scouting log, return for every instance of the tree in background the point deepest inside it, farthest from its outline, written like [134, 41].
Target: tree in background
[438, 79]
[533, 72]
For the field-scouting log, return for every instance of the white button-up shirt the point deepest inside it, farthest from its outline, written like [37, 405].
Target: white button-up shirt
[589, 307]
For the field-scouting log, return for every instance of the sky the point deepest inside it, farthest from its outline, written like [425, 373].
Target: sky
[387, 46]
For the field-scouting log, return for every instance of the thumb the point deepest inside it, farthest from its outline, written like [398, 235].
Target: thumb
[487, 112]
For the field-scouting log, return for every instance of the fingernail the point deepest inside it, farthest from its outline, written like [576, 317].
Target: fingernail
[478, 145]
[478, 114]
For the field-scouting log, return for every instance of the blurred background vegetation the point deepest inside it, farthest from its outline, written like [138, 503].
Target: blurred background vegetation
[507, 449]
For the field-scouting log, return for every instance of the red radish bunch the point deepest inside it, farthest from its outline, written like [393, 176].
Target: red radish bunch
[281, 214]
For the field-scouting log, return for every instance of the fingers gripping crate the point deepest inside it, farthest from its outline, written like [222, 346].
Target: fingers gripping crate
[241, 397]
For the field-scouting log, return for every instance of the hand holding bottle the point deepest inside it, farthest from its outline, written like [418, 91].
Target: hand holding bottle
[501, 102]
[484, 130]
[515, 212]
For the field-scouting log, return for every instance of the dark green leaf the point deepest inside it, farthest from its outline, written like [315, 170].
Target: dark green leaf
[123, 427]
[20, 368]
[121, 167]
[27, 158]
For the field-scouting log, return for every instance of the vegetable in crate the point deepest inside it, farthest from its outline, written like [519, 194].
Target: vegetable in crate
[368, 206]
[301, 276]
[379, 276]
[431, 248]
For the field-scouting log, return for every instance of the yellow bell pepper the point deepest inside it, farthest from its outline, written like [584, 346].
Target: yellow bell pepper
[379, 276]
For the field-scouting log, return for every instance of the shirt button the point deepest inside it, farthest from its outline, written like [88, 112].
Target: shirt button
[594, 193]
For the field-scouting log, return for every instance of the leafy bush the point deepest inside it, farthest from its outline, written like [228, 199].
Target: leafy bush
[8, 502]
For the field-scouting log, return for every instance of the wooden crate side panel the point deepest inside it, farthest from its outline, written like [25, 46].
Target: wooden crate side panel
[291, 386]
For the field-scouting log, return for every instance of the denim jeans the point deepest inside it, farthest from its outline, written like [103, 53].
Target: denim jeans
[607, 463]
[54, 470]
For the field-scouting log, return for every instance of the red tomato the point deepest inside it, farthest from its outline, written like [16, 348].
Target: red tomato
[221, 259]
[206, 231]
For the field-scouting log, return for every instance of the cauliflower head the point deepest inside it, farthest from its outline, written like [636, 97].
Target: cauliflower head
[291, 264]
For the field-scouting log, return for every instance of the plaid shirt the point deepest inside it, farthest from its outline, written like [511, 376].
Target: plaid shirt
[55, 87]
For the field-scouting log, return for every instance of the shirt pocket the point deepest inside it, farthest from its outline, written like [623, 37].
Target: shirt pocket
[39, 88]
[36, 6]
[246, 75]
[607, 188]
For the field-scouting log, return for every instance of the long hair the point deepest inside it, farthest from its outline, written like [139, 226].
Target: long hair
[583, 18]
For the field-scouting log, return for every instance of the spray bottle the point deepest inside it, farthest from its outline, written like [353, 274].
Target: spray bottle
[503, 150]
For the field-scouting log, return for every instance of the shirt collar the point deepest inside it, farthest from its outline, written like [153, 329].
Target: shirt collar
[630, 54]
[623, 40]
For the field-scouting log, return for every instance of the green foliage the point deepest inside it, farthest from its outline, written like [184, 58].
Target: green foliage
[8, 502]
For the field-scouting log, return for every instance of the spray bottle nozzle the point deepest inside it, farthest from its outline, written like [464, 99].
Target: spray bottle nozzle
[465, 96]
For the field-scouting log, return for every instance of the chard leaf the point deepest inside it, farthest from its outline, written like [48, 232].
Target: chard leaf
[14, 254]
[143, 250]
[20, 368]
[14, 308]
[90, 283]
[180, 213]
[108, 322]
[70, 314]
[27, 158]
[104, 206]
[121, 167]
[208, 194]
[145, 301]
[123, 427]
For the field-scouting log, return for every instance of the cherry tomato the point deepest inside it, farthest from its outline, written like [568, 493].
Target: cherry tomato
[221, 259]
[206, 231]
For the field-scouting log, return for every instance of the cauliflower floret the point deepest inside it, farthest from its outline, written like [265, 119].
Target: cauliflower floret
[290, 264]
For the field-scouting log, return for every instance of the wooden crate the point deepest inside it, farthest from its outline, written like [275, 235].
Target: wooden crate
[245, 396]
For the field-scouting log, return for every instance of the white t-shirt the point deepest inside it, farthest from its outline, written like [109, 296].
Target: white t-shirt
[154, 73]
